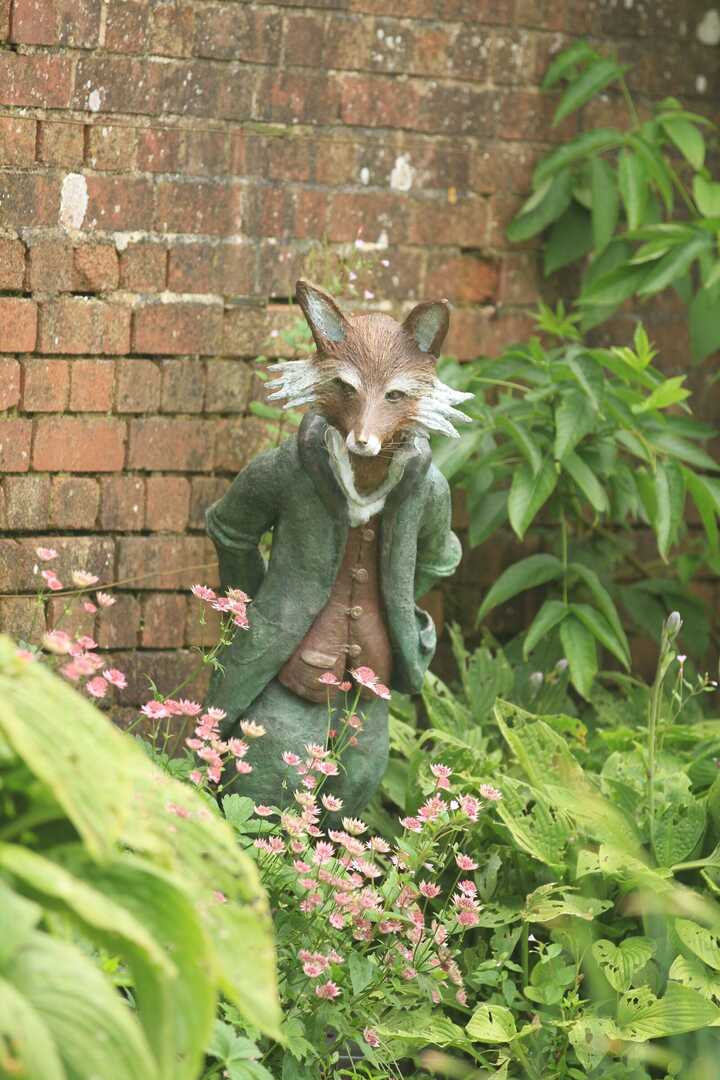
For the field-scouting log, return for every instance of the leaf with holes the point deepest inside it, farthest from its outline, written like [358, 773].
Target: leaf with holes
[492, 1024]
[700, 941]
[679, 828]
[679, 1011]
[619, 963]
[590, 1036]
[693, 973]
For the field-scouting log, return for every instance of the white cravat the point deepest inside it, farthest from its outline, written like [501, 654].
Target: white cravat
[361, 507]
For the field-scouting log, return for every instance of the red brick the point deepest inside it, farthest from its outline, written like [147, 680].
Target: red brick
[76, 326]
[159, 562]
[5, 19]
[74, 502]
[208, 153]
[462, 224]
[527, 115]
[18, 324]
[172, 26]
[14, 445]
[163, 624]
[161, 150]
[138, 386]
[367, 214]
[143, 267]
[12, 264]
[26, 501]
[45, 385]
[125, 85]
[28, 199]
[96, 268]
[309, 214]
[119, 203]
[183, 388]
[520, 281]
[237, 444]
[50, 266]
[35, 81]
[112, 147]
[9, 383]
[20, 618]
[61, 144]
[34, 22]
[175, 329]
[75, 444]
[119, 625]
[431, 51]
[200, 207]
[205, 491]
[229, 385]
[304, 39]
[377, 101]
[352, 43]
[79, 23]
[234, 32]
[298, 97]
[91, 385]
[228, 269]
[465, 278]
[198, 88]
[126, 26]
[171, 445]
[168, 503]
[122, 503]
[17, 140]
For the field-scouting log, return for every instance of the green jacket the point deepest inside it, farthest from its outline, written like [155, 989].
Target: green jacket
[293, 491]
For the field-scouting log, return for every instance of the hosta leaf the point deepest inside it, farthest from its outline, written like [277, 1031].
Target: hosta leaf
[694, 974]
[526, 574]
[492, 1024]
[680, 1010]
[537, 827]
[542, 906]
[590, 1036]
[619, 963]
[528, 494]
[18, 919]
[28, 1048]
[700, 941]
[581, 654]
[421, 1027]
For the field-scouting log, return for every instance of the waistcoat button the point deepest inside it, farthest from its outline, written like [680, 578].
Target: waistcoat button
[368, 534]
[360, 574]
[354, 650]
[355, 612]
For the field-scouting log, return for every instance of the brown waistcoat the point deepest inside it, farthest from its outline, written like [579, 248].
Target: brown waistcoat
[350, 631]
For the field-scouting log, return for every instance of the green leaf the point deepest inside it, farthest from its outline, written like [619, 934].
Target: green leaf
[600, 628]
[704, 323]
[614, 287]
[604, 603]
[679, 828]
[523, 575]
[595, 78]
[18, 919]
[487, 516]
[683, 450]
[605, 203]
[590, 142]
[28, 1049]
[570, 238]
[687, 138]
[669, 392]
[492, 1024]
[705, 504]
[707, 196]
[528, 494]
[679, 1011]
[536, 825]
[543, 207]
[581, 654]
[632, 182]
[590, 1037]
[669, 490]
[673, 265]
[575, 417]
[703, 943]
[565, 63]
[523, 440]
[619, 963]
[694, 974]
[586, 480]
[550, 614]
[362, 971]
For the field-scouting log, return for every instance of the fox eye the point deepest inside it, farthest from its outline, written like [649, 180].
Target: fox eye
[347, 387]
[395, 395]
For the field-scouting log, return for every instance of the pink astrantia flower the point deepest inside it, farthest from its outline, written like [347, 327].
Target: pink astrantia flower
[429, 889]
[412, 824]
[52, 581]
[263, 811]
[46, 554]
[97, 687]
[243, 767]
[251, 729]
[329, 679]
[89, 607]
[332, 803]
[470, 807]
[489, 792]
[86, 642]
[189, 708]
[371, 1037]
[58, 642]
[328, 990]
[203, 593]
[104, 599]
[442, 774]
[366, 677]
[464, 862]
[219, 897]
[354, 826]
[115, 678]
[290, 759]
[313, 968]
[215, 714]
[469, 888]
[196, 776]
[83, 579]
[155, 710]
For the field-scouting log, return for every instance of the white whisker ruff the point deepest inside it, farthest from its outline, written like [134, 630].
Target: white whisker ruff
[296, 383]
[436, 410]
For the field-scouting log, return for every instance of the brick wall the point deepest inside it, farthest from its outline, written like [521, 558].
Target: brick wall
[166, 166]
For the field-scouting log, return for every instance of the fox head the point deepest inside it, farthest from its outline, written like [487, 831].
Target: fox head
[371, 377]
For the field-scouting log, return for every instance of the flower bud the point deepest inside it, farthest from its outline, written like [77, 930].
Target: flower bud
[673, 624]
[536, 680]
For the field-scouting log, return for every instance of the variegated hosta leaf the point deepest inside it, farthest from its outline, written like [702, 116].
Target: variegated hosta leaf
[619, 963]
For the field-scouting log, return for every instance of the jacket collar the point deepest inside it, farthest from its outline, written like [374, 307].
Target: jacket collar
[315, 460]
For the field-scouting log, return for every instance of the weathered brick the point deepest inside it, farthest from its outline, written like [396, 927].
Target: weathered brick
[80, 22]
[465, 278]
[229, 383]
[9, 383]
[304, 34]
[119, 625]
[168, 503]
[17, 140]
[75, 444]
[138, 386]
[28, 199]
[12, 264]
[201, 206]
[234, 32]
[111, 147]
[45, 385]
[378, 101]
[238, 442]
[76, 326]
[367, 214]
[34, 22]
[15, 438]
[183, 389]
[299, 97]
[176, 329]
[163, 621]
[96, 268]
[171, 445]
[26, 501]
[35, 81]
[5, 19]
[143, 267]
[74, 502]
[463, 223]
[119, 203]
[163, 562]
[61, 144]
[172, 27]
[161, 150]
[50, 266]
[18, 325]
[208, 153]
[91, 385]
[228, 269]
[122, 503]
[205, 491]
[126, 26]
[22, 619]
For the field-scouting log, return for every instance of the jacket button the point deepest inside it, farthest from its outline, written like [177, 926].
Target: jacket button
[360, 574]
[368, 534]
[354, 650]
[355, 612]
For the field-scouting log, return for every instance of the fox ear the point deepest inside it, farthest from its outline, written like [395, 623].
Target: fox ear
[427, 324]
[325, 319]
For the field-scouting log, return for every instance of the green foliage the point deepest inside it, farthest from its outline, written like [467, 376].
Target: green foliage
[126, 907]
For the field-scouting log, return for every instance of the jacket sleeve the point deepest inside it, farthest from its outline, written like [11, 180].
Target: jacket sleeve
[238, 521]
[439, 550]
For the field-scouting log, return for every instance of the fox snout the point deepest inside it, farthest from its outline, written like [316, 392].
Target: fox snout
[365, 444]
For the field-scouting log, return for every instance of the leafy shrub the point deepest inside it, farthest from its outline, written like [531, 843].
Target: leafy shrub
[116, 882]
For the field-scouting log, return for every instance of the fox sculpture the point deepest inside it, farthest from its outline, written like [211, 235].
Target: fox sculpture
[360, 521]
